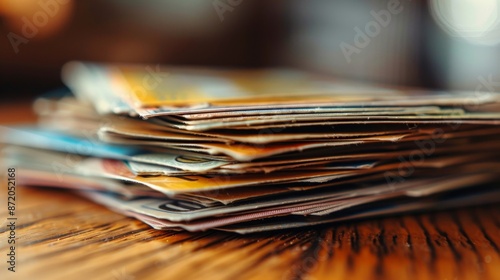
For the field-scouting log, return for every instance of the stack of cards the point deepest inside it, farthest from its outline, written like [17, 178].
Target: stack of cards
[257, 150]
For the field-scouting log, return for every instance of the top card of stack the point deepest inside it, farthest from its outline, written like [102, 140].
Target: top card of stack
[200, 94]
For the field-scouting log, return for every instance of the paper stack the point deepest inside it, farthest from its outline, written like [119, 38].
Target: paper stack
[257, 150]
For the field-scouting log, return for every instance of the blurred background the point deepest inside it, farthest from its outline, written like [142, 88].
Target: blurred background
[438, 44]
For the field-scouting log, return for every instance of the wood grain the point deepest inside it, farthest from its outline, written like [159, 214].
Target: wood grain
[63, 236]
[16, 112]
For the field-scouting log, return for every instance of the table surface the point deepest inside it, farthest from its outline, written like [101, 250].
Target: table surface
[62, 236]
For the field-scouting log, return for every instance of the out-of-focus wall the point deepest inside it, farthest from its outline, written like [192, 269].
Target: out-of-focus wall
[402, 42]
[369, 40]
[465, 43]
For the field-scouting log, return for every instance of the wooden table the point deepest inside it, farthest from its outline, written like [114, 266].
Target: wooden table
[62, 236]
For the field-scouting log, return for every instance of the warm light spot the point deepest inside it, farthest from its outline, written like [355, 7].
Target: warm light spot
[36, 19]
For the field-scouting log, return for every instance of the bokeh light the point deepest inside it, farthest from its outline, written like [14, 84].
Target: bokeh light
[477, 21]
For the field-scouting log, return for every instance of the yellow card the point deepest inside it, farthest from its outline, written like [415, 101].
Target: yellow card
[148, 87]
